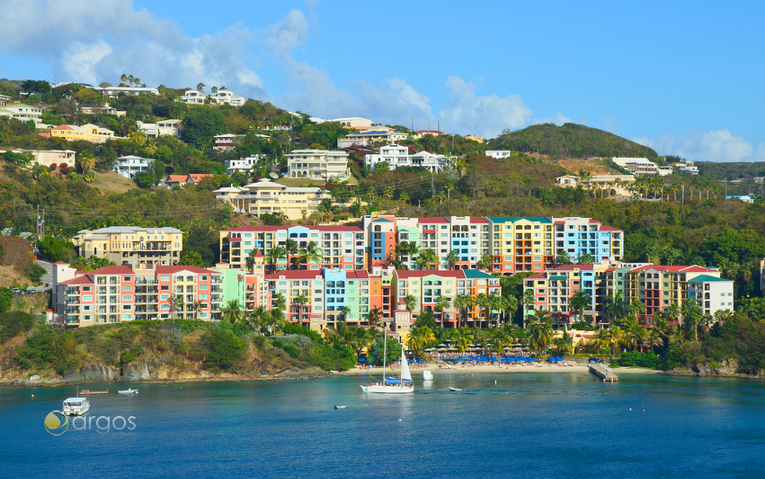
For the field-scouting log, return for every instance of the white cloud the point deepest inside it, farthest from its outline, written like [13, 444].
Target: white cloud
[483, 115]
[99, 40]
[713, 145]
[288, 34]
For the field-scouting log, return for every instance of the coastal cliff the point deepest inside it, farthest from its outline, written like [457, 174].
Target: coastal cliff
[162, 351]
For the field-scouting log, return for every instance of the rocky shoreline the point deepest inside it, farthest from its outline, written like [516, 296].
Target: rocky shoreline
[148, 371]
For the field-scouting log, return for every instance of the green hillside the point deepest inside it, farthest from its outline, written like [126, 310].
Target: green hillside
[569, 141]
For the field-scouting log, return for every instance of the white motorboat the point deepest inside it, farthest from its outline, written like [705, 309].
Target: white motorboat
[128, 391]
[388, 385]
[75, 406]
[427, 375]
[456, 390]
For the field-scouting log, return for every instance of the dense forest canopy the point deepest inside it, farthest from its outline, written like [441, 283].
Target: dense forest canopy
[570, 141]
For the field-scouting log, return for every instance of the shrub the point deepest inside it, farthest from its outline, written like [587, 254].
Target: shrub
[648, 359]
[14, 323]
[224, 349]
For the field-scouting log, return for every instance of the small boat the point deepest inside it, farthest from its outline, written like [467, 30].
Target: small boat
[456, 390]
[427, 375]
[75, 406]
[341, 407]
[88, 392]
[128, 391]
[388, 385]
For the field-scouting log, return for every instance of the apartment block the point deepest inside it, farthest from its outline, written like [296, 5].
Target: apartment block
[341, 246]
[265, 196]
[322, 165]
[138, 247]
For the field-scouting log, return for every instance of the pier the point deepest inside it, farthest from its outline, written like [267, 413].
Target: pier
[602, 371]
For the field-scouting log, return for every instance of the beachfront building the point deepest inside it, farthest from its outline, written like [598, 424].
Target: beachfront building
[340, 247]
[711, 293]
[88, 132]
[22, 112]
[130, 165]
[265, 196]
[160, 128]
[134, 246]
[657, 287]
[116, 294]
[437, 291]
[370, 136]
[321, 165]
[554, 288]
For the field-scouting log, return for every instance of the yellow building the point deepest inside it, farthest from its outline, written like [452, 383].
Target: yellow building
[265, 196]
[89, 132]
[140, 248]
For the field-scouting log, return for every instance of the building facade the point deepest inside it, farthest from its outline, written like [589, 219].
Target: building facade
[322, 165]
[137, 247]
[265, 196]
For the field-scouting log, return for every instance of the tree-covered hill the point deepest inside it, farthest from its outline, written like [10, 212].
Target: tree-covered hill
[569, 141]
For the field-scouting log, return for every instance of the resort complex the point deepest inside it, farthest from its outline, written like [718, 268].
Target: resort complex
[389, 269]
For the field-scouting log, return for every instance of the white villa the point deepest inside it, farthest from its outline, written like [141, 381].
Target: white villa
[194, 97]
[377, 133]
[499, 154]
[318, 164]
[397, 156]
[130, 165]
[160, 128]
[243, 165]
[22, 112]
[618, 183]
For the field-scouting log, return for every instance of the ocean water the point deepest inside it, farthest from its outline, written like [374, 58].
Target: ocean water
[522, 425]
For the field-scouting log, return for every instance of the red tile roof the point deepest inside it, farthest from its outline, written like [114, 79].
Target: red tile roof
[121, 269]
[295, 274]
[78, 280]
[422, 273]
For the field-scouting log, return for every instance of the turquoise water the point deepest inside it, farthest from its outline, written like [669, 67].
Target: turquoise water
[523, 426]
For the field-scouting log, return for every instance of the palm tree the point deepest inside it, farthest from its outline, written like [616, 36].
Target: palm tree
[375, 315]
[463, 302]
[453, 258]
[310, 254]
[427, 259]
[580, 300]
[297, 304]
[442, 304]
[274, 255]
[486, 261]
[232, 312]
[290, 250]
[540, 332]
[345, 311]
[419, 338]
[615, 307]
[411, 302]
[176, 301]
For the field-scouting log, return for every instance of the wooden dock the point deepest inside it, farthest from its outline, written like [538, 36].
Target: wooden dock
[602, 371]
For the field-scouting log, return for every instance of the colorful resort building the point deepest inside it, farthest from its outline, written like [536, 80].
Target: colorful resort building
[388, 267]
[656, 287]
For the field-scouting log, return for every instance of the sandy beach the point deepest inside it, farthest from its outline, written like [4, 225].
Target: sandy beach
[442, 368]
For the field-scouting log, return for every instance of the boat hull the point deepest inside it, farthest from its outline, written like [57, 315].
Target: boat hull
[387, 389]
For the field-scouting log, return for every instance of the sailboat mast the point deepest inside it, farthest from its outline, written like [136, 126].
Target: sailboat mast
[385, 349]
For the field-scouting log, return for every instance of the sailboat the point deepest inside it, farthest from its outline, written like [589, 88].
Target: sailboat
[391, 385]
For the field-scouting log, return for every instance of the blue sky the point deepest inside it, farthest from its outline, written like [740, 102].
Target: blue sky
[685, 78]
